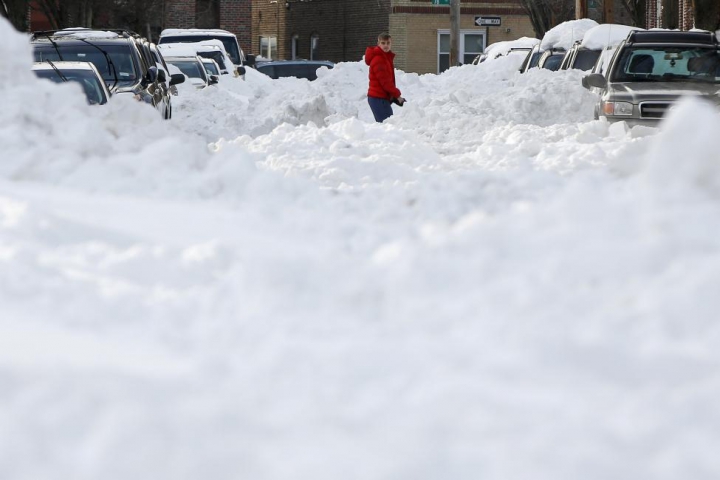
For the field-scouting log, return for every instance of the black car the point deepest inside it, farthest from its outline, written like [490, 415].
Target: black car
[119, 57]
[293, 68]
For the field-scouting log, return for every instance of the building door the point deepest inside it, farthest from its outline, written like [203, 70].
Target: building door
[472, 44]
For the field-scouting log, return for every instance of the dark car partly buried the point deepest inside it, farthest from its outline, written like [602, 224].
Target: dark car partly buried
[117, 57]
[652, 70]
[293, 68]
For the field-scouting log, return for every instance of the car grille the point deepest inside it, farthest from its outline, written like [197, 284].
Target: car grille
[654, 109]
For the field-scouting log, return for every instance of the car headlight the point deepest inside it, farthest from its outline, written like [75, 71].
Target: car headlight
[617, 108]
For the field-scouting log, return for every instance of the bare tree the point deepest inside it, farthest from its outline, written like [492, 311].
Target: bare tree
[707, 14]
[636, 9]
[545, 14]
[16, 12]
[67, 13]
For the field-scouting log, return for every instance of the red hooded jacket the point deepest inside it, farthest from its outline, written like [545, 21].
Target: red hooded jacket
[382, 74]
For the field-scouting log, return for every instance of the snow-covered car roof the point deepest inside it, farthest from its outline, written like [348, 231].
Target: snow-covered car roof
[565, 35]
[503, 48]
[64, 65]
[606, 35]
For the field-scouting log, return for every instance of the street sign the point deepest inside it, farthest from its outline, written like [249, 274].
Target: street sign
[440, 2]
[487, 21]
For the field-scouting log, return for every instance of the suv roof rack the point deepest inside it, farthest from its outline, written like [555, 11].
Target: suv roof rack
[671, 36]
[69, 32]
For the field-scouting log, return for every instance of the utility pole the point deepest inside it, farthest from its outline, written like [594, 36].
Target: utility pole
[581, 9]
[454, 32]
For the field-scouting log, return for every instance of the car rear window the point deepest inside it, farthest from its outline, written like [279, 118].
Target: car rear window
[667, 63]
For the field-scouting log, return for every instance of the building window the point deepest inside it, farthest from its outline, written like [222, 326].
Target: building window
[294, 46]
[314, 46]
[472, 44]
[268, 47]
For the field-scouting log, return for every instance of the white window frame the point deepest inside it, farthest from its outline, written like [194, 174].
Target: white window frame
[461, 41]
[267, 43]
[314, 43]
[294, 46]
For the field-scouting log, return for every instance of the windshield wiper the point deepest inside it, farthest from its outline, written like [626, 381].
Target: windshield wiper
[57, 70]
[107, 59]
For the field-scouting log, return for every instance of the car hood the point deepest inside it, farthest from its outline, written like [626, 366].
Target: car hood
[658, 91]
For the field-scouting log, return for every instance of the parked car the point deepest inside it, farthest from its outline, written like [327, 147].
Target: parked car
[84, 73]
[652, 70]
[293, 68]
[192, 67]
[212, 49]
[580, 58]
[531, 59]
[117, 55]
[602, 39]
[194, 35]
[551, 59]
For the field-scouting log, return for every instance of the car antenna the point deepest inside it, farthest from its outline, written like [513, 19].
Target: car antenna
[57, 70]
[107, 58]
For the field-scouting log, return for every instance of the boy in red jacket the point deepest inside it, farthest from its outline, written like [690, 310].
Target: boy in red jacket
[382, 89]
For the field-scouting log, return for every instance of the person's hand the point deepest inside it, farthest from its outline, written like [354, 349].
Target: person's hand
[399, 101]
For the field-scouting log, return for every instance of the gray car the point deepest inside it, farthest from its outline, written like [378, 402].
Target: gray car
[652, 70]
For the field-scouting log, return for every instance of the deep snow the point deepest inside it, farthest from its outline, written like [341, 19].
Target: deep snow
[490, 285]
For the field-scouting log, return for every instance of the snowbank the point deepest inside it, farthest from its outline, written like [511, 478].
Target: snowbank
[272, 286]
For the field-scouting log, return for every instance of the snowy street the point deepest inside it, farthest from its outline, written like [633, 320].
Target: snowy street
[491, 285]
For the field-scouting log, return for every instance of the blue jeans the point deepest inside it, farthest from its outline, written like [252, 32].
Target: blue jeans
[381, 108]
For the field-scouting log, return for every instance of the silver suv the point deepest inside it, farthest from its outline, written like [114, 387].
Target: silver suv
[651, 70]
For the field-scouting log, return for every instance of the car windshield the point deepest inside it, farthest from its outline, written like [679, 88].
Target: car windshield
[534, 59]
[211, 68]
[120, 55]
[230, 43]
[94, 91]
[585, 59]
[553, 62]
[216, 55]
[191, 68]
[668, 63]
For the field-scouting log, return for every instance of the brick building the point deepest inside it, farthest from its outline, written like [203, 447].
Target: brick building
[421, 31]
[231, 15]
[336, 30]
[340, 30]
[669, 14]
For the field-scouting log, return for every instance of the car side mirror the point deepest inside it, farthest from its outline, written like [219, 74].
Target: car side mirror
[152, 74]
[176, 78]
[250, 60]
[241, 70]
[594, 80]
[213, 79]
[161, 76]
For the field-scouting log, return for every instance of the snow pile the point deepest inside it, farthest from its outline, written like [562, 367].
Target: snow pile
[272, 286]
